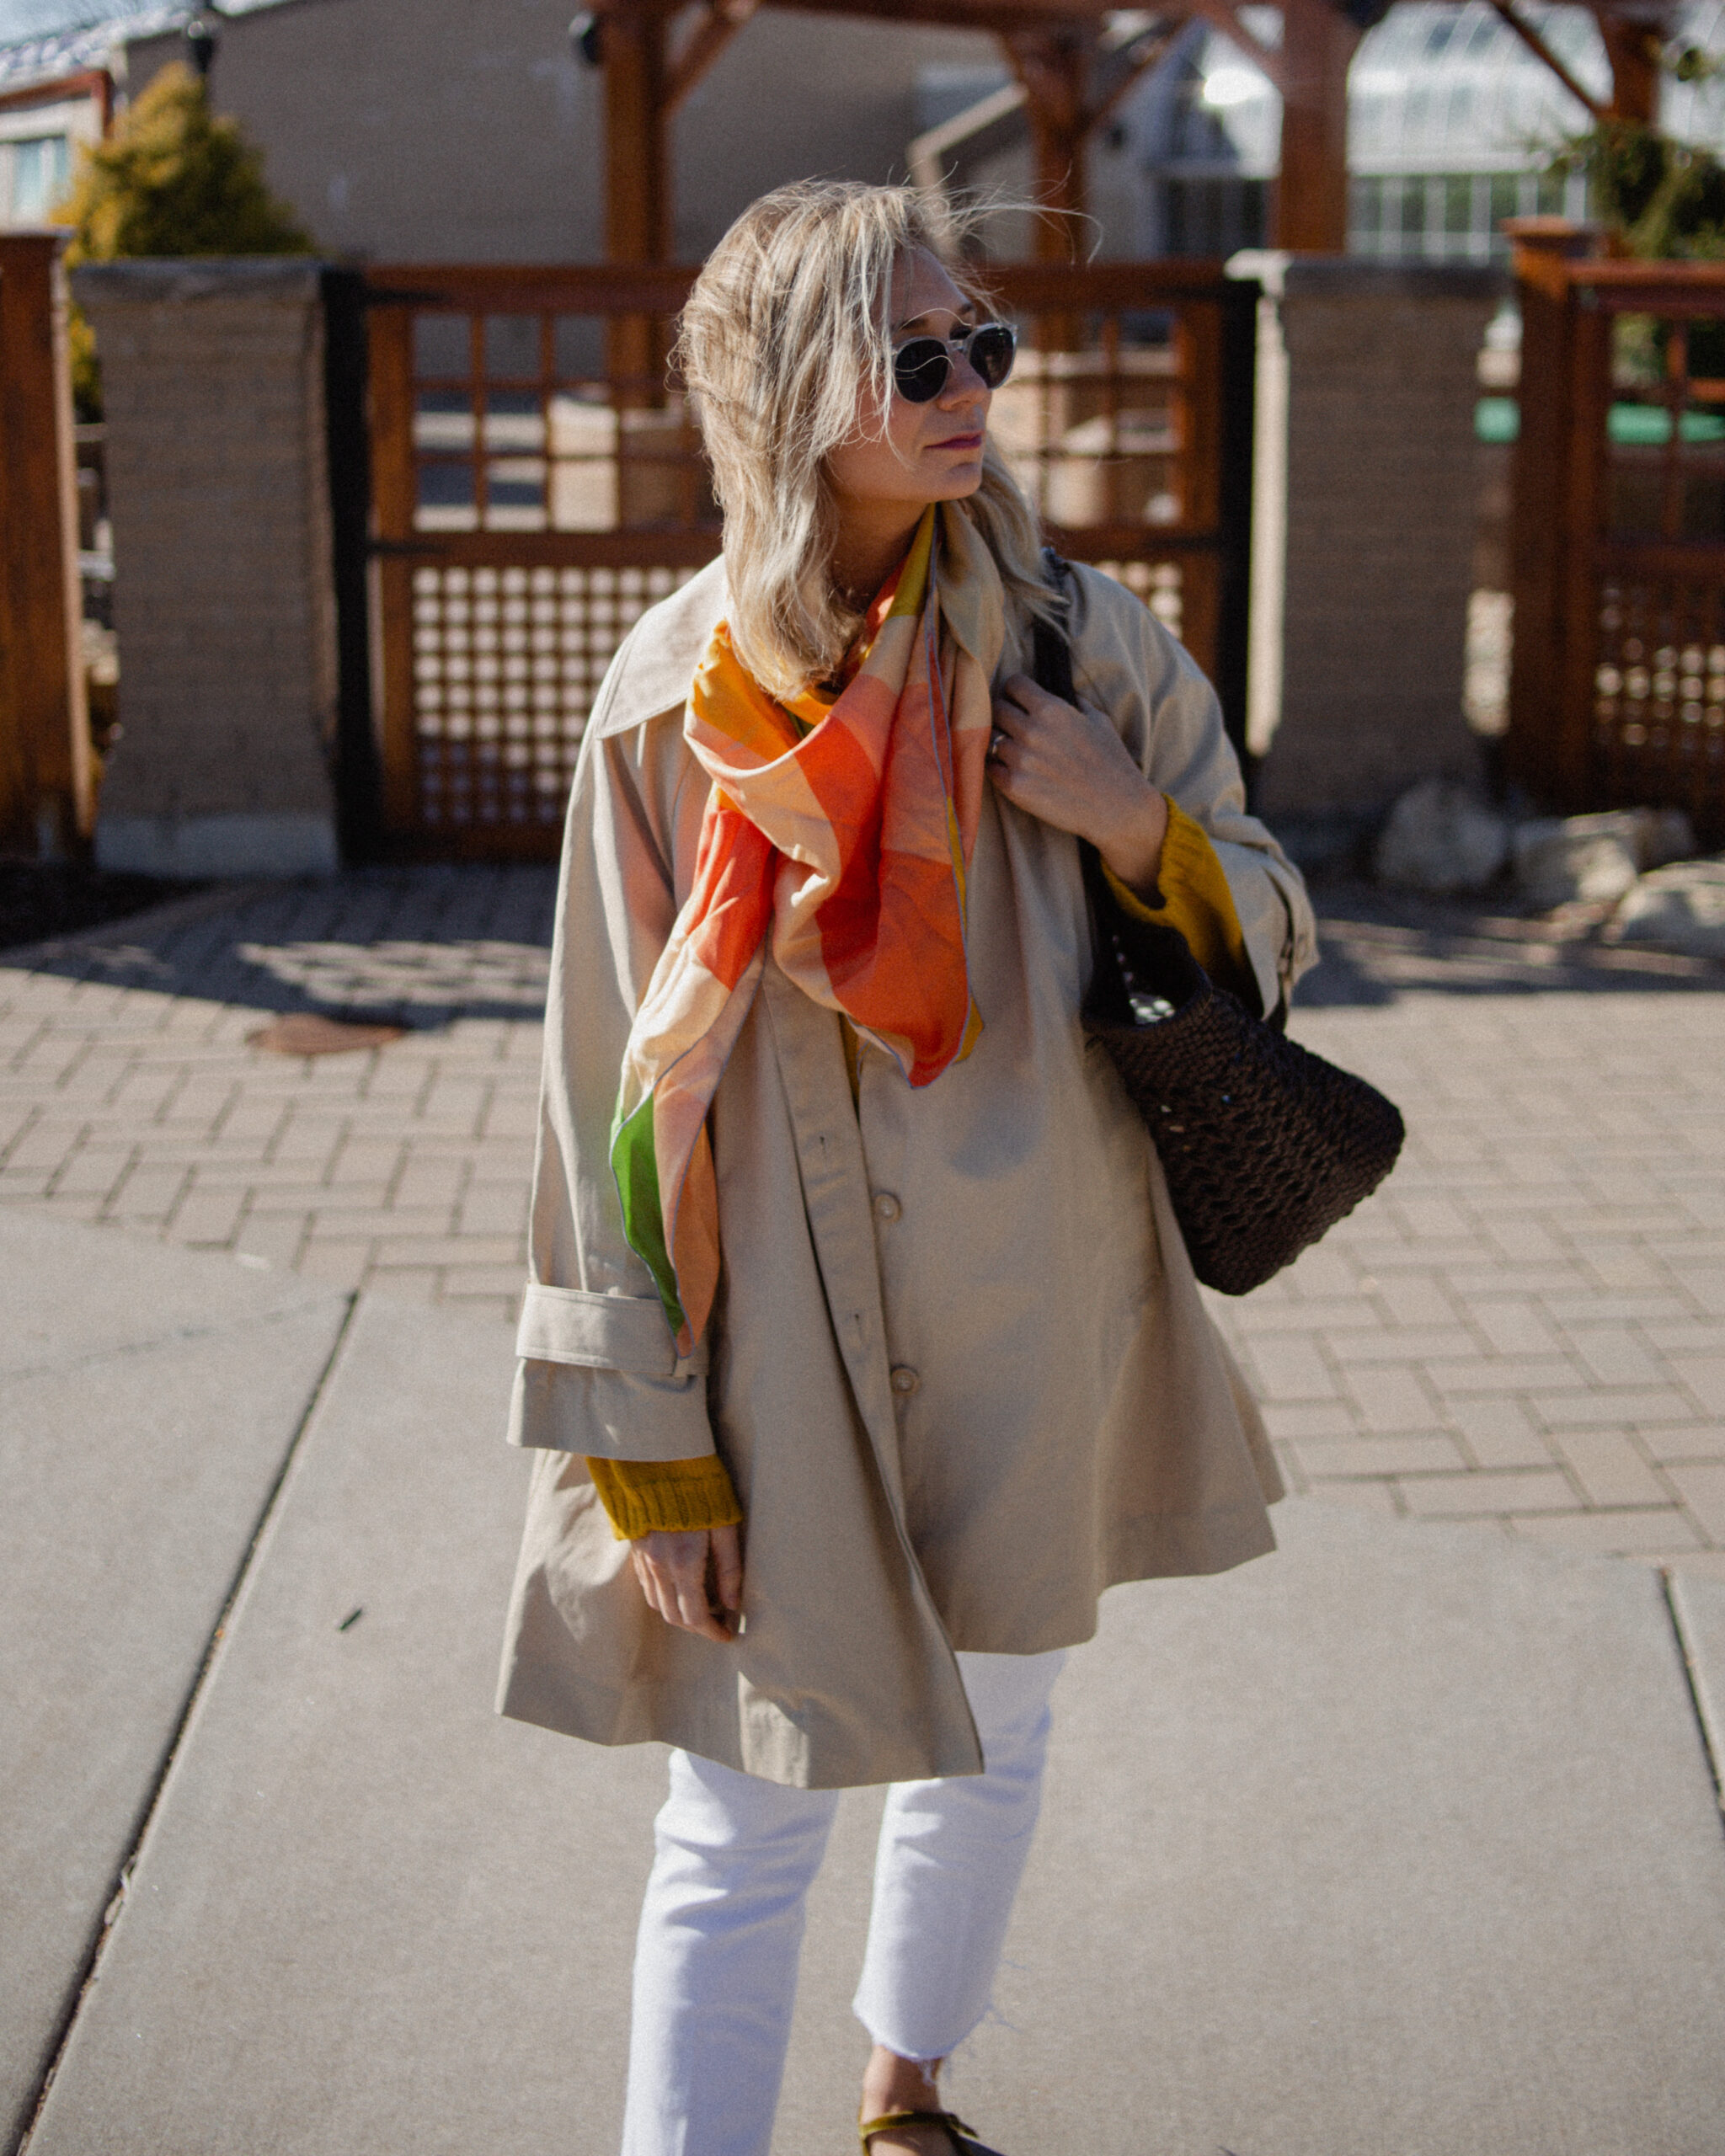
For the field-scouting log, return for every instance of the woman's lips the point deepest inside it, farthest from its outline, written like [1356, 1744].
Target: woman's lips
[959, 441]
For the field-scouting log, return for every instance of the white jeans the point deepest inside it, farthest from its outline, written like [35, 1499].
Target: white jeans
[722, 1925]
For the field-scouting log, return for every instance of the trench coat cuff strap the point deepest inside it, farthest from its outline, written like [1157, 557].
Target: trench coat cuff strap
[613, 1414]
[602, 1333]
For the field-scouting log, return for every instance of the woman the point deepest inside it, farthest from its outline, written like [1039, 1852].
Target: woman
[861, 1346]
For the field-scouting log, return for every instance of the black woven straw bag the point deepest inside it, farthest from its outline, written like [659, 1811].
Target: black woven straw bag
[1265, 1145]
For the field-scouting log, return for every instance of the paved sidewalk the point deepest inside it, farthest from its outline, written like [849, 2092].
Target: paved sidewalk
[128, 1093]
[1401, 1842]
[1525, 1327]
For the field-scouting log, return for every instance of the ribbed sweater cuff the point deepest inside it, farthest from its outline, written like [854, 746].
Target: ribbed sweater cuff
[652, 1496]
[1195, 899]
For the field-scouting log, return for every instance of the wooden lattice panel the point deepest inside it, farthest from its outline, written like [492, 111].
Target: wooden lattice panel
[1160, 585]
[506, 663]
[1659, 731]
[537, 482]
[1617, 670]
[1099, 435]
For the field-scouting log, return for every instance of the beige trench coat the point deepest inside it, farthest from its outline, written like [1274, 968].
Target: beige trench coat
[959, 1367]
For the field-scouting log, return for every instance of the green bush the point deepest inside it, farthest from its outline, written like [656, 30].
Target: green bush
[172, 178]
[1660, 199]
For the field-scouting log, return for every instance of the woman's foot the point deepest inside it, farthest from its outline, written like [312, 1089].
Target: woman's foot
[892, 2083]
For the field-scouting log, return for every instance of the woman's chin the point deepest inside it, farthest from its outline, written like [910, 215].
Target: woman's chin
[956, 482]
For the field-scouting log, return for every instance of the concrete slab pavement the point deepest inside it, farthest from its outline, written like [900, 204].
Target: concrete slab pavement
[1698, 1605]
[1403, 1839]
[370, 1915]
[148, 1399]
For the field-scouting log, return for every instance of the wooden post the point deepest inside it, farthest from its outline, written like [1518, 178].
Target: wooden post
[637, 180]
[1318, 42]
[390, 364]
[1053, 66]
[46, 788]
[1534, 749]
[1632, 44]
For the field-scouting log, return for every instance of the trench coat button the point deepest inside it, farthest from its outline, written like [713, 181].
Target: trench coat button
[886, 1206]
[905, 1380]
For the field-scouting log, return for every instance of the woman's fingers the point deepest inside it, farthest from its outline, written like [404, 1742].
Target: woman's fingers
[727, 1567]
[676, 1573]
[650, 1579]
[1067, 765]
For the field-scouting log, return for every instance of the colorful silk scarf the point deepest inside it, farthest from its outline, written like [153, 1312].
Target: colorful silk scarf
[843, 828]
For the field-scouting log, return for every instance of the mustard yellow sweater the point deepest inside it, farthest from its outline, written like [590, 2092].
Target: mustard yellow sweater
[644, 1496]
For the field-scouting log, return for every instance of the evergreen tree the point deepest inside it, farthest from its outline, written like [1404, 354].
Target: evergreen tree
[172, 178]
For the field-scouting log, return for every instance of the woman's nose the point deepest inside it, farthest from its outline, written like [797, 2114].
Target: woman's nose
[964, 386]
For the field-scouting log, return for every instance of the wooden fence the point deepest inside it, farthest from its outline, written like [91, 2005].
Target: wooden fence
[1617, 681]
[45, 774]
[530, 497]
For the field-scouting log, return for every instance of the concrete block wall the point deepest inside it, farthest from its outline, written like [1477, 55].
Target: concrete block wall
[1367, 555]
[224, 597]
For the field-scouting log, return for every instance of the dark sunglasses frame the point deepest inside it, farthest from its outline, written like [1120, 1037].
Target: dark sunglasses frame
[922, 368]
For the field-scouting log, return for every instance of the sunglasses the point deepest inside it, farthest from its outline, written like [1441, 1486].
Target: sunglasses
[922, 368]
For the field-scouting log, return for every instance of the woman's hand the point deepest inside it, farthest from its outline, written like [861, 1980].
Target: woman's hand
[1067, 765]
[694, 1580]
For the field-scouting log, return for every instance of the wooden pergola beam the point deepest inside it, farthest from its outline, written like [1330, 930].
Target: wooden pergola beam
[1067, 99]
[1138, 59]
[720, 21]
[1537, 45]
[1634, 39]
[996, 16]
[1053, 47]
[1634, 42]
[636, 162]
[1223, 15]
[1053, 65]
[1310, 70]
[637, 182]
[1311, 200]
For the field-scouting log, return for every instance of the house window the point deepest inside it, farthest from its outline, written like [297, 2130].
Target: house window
[35, 174]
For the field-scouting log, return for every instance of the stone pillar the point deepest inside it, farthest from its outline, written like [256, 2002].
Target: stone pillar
[224, 592]
[1363, 527]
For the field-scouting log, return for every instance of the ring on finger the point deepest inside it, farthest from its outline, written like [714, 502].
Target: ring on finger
[997, 741]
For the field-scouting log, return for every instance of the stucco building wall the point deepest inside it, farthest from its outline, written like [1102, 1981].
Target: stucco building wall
[466, 130]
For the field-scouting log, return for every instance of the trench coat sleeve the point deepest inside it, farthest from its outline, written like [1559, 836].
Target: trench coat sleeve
[600, 1373]
[1126, 663]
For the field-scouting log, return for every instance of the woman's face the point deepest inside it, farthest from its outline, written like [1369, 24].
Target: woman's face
[928, 452]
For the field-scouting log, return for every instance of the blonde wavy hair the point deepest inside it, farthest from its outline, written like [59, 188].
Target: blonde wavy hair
[786, 333]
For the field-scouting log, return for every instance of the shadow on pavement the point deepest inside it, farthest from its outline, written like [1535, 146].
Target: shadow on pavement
[422, 946]
[418, 946]
[1380, 944]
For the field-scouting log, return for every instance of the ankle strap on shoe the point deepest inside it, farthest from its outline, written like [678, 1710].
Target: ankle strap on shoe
[952, 2124]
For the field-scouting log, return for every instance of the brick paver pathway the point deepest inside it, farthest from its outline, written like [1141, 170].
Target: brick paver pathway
[1525, 1326]
[128, 1092]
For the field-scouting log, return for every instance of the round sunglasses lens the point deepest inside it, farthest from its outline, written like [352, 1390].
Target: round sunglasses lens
[992, 349]
[920, 370]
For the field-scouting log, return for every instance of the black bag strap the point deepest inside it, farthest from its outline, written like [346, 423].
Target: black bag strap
[1128, 954]
[1051, 655]
[1051, 668]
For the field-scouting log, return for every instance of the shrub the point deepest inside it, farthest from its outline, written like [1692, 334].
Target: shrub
[172, 178]
[1659, 199]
